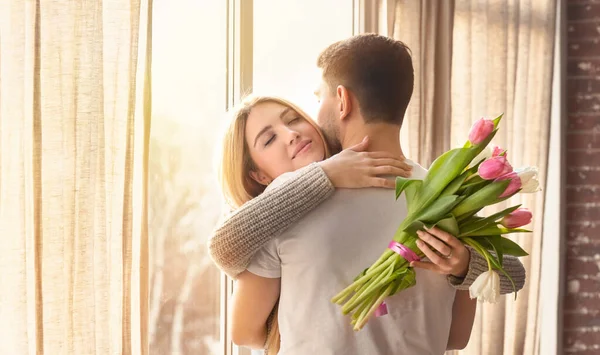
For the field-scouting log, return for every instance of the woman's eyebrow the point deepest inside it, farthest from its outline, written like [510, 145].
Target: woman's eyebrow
[262, 131]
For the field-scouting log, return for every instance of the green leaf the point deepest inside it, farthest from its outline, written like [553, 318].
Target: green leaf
[467, 216]
[488, 195]
[475, 223]
[497, 120]
[403, 184]
[443, 170]
[446, 168]
[494, 244]
[411, 192]
[512, 248]
[455, 184]
[493, 229]
[441, 207]
[406, 280]
[447, 224]
[473, 184]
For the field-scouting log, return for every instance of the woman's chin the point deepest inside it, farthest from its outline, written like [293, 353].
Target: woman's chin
[306, 159]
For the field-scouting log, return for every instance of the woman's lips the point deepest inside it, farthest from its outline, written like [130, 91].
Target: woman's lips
[304, 149]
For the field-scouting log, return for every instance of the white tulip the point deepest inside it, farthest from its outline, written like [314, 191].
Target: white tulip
[486, 287]
[529, 179]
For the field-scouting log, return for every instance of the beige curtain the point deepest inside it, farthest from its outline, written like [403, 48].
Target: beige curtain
[426, 27]
[478, 58]
[73, 160]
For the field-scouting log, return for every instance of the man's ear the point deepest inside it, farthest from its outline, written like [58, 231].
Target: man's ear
[343, 96]
[259, 177]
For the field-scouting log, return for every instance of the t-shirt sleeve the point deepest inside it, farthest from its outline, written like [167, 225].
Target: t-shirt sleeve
[266, 262]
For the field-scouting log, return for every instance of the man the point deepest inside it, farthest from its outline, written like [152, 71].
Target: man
[367, 83]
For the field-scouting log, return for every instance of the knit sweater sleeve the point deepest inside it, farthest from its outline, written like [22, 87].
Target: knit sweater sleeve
[478, 265]
[251, 226]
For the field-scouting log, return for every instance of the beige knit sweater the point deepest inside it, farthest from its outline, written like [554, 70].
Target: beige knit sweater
[245, 231]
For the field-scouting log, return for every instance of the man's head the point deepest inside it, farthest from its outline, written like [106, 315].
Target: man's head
[367, 77]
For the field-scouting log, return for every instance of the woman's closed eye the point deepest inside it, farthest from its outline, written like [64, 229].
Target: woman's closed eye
[294, 120]
[270, 140]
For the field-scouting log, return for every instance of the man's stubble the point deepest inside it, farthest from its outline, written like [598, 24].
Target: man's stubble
[331, 132]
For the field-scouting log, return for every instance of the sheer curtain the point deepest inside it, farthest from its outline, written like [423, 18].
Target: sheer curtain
[503, 62]
[73, 159]
[478, 58]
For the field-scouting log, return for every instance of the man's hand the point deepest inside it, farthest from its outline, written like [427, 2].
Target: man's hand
[449, 256]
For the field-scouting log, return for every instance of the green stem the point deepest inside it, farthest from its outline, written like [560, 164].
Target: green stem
[480, 249]
[384, 257]
[374, 285]
[365, 318]
[362, 280]
[356, 294]
[366, 309]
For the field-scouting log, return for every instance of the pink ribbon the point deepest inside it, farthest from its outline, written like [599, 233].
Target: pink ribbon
[407, 254]
[403, 251]
[381, 310]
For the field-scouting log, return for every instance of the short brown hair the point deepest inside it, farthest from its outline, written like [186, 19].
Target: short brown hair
[378, 70]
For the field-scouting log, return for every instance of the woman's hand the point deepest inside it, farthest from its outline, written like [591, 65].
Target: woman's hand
[452, 257]
[355, 168]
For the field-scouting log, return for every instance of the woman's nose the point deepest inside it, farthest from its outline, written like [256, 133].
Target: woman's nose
[294, 136]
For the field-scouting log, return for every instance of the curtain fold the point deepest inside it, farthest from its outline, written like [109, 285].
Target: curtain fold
[426, 27]
[73, 165]
[476, 58]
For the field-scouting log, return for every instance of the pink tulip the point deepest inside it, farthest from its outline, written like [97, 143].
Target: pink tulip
[517, 218]
[480, 130]
[498, 151]
[513, 186]
[494, 167]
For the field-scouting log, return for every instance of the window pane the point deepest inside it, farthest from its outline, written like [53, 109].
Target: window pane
[288, 37]
[189, 78]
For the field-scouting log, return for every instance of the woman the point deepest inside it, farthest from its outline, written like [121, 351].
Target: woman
[285, 139]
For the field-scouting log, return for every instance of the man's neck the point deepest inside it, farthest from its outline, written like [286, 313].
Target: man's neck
[382, 138]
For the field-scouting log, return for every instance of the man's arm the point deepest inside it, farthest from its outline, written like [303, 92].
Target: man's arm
[253, 300]
[463, 316]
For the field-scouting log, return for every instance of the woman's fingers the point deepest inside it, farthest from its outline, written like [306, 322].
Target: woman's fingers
[362, 146]
[435, 243]
[382, 155]
[393, 162]
[383, 182]
[390, 170]
[433, 257]
[425, 265]
[458, 256]
[447, 238]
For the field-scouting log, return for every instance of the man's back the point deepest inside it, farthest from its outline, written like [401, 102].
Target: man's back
[321, 255]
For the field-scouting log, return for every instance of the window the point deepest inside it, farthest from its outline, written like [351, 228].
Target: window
[189, 96]
[203, 59]
[288, 37]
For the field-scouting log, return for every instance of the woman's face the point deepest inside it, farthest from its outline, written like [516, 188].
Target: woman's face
[280, 141]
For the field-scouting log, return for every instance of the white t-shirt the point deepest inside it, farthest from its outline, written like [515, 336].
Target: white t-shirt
[322, 254]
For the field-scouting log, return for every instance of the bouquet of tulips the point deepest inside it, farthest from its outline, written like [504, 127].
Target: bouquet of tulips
[458, 185]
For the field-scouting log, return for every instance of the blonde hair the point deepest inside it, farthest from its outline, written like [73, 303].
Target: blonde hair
[235, 165]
